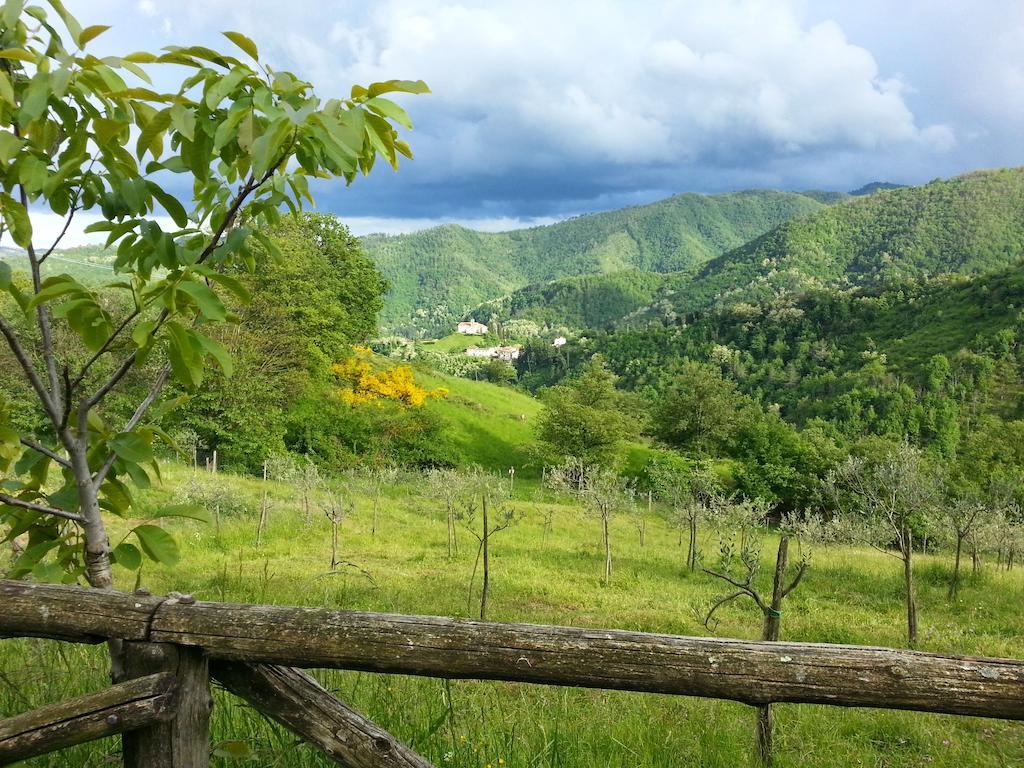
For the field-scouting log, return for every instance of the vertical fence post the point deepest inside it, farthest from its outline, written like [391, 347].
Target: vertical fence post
[183, 742]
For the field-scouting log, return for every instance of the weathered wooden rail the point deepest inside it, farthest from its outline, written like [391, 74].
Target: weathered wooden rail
[246, 643]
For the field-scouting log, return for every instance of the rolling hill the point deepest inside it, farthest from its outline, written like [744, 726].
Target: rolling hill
[438, 275]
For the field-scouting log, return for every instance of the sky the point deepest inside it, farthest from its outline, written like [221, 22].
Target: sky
[543, 110]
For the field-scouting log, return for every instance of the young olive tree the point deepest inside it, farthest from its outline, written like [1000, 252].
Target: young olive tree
[82, 135]
[881, 501]
[603, 493]
[962, 518]
[739, 567]
[449, 487]
[491, 497]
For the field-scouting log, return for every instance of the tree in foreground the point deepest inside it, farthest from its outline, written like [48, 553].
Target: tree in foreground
[882, 500]
[80, 138]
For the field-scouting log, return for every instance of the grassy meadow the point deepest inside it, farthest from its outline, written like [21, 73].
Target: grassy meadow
[546, 574]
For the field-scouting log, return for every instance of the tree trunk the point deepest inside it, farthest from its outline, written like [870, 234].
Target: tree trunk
[607, 548]
[691, 553]
[334, 543]
[954, 585]
[770, 632]
[908, 581]
[487, 565]
[97, 546]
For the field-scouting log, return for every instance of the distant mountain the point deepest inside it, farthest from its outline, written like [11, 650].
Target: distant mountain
[966, 225]
[874, 186]
[440, 274]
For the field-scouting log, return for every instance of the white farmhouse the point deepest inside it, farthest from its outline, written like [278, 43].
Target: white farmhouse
[507, 353]
[495, 353]
[472, 328]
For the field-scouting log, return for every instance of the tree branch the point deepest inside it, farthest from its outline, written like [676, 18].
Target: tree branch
[46, 452]
[800, 571]
[33, 376]
[721, 601]
[133, 422]
[101, 351]
[11, 501]
[64, 231]
[42, 314]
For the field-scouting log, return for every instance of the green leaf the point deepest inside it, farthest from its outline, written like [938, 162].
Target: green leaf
[131, 446]
[388, 108]
[12, 10]
[17, 220]
[170, 204]
[184, 121]
[143, 332]
[9, 145]
[48, 573]
[127, 556]
[401, 86]
[244, 43]
[185, 356]
[55, 287]
[266, 149]
[190, 511]
[33, 103]
[232, 283]
[149, 137]
[271, 247]
[210, 305]
[91, 33]
[6, 89]
[16, 54]
[158, 544]
[224, 86]
[5, 275]
[217, 351]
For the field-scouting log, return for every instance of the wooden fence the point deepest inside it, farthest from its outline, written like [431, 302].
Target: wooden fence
[171, 646]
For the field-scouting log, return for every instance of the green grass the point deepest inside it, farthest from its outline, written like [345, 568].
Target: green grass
[489, 425]
[850, 595]
[457, 342]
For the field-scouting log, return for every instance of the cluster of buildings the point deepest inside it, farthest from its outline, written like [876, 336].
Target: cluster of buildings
[508, 353]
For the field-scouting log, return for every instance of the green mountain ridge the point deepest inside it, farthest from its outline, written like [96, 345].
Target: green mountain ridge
[966, 225]
[438, 275]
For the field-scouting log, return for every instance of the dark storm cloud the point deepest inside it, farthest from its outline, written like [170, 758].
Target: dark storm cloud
[544, 110]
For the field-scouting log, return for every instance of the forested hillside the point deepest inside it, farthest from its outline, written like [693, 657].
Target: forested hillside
[438, 275]
[968, 224]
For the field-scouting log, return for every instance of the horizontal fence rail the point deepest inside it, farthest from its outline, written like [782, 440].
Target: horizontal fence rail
[128, 706]
[752, 672]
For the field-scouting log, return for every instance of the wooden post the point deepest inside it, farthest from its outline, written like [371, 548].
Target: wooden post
[140, 703]
[300, 704]
[183, 742]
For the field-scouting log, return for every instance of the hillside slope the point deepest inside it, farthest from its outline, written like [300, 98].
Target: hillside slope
[965, 225]
[438, 275]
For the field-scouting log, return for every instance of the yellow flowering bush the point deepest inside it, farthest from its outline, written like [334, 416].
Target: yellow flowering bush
[365, 384]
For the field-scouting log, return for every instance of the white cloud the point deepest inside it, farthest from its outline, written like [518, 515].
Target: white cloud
[366, 225]
[47, 226]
